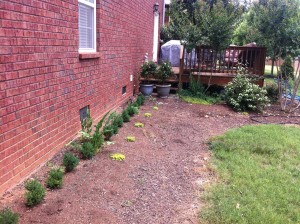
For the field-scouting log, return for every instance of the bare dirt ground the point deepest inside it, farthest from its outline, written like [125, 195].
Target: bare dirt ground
[160, 182]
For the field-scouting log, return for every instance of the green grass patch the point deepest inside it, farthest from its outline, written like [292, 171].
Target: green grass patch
[259, 176]
[268, 69]
[195, 100]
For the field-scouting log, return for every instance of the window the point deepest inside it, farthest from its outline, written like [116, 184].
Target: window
[87, 25]
[123, 90]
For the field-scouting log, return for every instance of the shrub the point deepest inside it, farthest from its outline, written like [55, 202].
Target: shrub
[131, 110]
[287, 69]
[135, 104]
[272, 92]
[164, 72]
[97, 138]
[148, 69]
[243, 95]
[109, 131]
[118, 121]
[70, 161]
[8, 217]
[55, 178]
[87, 151]
[125, 116]
[141, 100]
[35, 193]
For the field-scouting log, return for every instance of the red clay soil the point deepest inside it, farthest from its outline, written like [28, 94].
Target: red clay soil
[160, 181]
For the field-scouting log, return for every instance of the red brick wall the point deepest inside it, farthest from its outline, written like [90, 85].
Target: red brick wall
[43, 83]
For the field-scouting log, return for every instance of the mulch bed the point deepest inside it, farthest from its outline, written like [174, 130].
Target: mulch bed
[160, 181]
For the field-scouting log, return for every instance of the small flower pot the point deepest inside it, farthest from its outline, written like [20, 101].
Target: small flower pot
[146, 89]
[163, 91]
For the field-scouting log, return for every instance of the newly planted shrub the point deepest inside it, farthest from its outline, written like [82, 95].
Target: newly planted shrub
[130, 110]
[141, 100]
[125, 116]
[35, 193]
[87, 151]
[55, 178]
[118, 121]
[7, 216]
[243, 95]
[97, 139]
[70, 161]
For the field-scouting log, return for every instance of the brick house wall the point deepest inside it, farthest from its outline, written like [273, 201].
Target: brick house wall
[43, 83]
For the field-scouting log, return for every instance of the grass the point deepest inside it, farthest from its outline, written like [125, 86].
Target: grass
[259, 176]
[268, 70]
[195, 100]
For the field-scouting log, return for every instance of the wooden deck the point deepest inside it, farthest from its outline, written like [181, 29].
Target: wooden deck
[219, 69]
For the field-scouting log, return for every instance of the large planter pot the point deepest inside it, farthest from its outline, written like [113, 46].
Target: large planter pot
[146, 89]
[163, 91]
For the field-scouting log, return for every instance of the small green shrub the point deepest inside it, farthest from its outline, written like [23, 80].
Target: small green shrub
[272, 92]
[135, 104]
[86, 123]
[88, 151]
[108, 132]
[141, 100]
[131, 110]
[287, 69]
[55, 178]
[7, 216]
[125, 116]
[148, 69]
[97, 138]
[118, 121]
[70, 161]
[35, 193]
[243, 95]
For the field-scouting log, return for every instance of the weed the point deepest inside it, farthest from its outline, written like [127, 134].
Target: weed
[117, 156]
[70, 161]
[88, 151]
[55, 178]
[35, 193]
[7, 216]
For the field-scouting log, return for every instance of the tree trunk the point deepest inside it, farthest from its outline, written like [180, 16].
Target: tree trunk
[272, 68]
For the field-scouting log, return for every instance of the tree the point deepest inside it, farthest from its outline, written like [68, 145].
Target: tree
[276, 26]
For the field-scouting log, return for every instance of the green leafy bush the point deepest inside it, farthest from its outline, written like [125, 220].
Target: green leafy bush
[70, 161]
[8, 217]
[125, 116]
[118, 121]
[97, 138]
[88, 151]
[55, 178]
[164, 72]
[287, 69]
[272, 92]
[243, 95]
[35, 193]
[148, 69]
[130, 110]
[141, 100]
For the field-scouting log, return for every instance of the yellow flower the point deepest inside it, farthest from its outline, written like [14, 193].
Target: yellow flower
[130, 139]
[139, 125]
[155, 108]
[117, 156]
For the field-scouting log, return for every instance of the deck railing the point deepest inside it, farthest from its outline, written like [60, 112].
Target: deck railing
[205, 59]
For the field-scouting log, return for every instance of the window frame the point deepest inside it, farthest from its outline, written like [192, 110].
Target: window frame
[88, 50]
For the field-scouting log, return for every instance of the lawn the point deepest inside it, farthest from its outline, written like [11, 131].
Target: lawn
[268, 70]
[259, 176]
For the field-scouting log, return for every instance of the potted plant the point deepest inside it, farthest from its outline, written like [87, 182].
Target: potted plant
[163, 73]
[148, 69]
